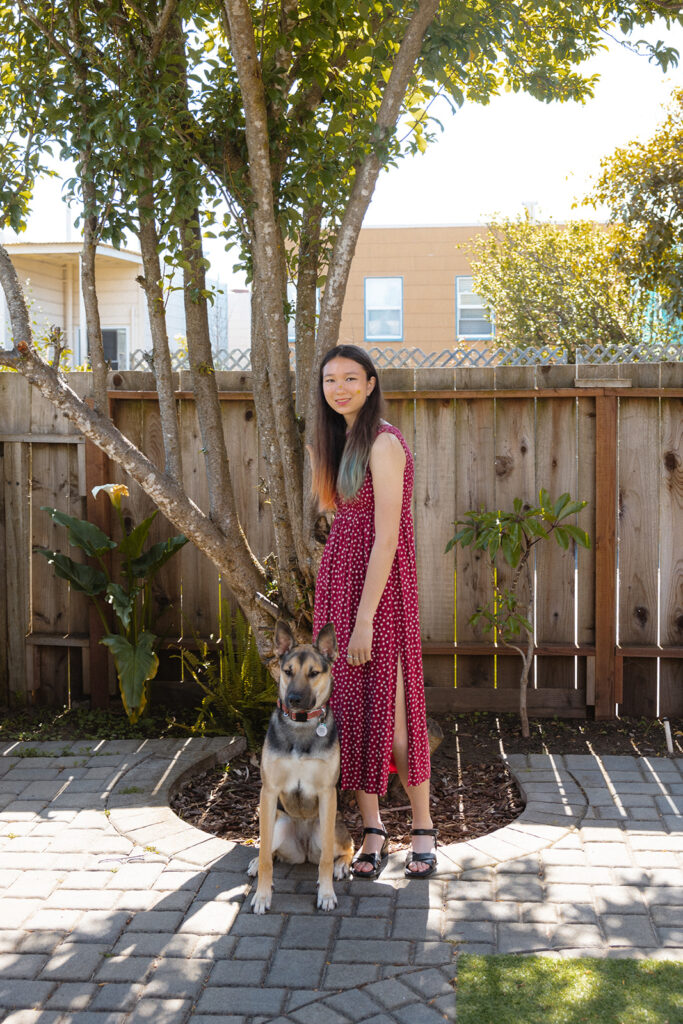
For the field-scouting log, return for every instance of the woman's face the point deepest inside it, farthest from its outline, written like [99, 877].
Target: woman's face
[346, 387]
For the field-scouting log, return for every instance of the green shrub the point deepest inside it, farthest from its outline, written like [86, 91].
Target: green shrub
[239, 692]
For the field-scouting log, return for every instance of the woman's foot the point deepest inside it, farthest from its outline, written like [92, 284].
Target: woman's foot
[422, 858]
[369, 862]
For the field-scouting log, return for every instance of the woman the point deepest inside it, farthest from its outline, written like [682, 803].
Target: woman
[367, 587]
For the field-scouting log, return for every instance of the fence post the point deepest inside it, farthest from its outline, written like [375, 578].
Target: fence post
[97, 512]
[606, 682]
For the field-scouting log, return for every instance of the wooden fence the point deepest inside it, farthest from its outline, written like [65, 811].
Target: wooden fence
[609, 621]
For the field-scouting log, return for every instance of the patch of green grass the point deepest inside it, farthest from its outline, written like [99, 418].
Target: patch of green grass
[544, 990]
[132, 789]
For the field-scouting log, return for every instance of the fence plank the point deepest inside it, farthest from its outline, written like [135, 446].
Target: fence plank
[555, 592]
[605, 555]
[17, 563]
[671, 554]
[585, 591]
[4, 582]
[50, 595]
[639, 474]
[474, 455]
[435, 489]
[201, 587]
[514, 477]
[167, 583]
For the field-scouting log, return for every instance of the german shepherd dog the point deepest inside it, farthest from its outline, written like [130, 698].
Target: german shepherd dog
[299, 771]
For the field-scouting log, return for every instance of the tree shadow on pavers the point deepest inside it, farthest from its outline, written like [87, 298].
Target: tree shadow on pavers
[126, 909]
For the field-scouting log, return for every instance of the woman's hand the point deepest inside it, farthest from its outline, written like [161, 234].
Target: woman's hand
[360, 644]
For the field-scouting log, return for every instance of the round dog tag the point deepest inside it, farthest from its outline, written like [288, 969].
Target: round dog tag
[321, 730]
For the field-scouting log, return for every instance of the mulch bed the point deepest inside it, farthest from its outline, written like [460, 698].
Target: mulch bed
[473, 792]
[467, 801]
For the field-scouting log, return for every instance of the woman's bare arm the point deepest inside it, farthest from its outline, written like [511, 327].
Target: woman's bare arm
[387, 463]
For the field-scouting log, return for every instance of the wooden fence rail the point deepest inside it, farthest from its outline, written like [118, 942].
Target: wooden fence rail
[609, 621]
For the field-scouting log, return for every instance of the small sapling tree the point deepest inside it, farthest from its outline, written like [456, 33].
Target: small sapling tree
[513, 536]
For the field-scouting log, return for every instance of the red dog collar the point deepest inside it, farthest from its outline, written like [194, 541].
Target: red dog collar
[302, 716]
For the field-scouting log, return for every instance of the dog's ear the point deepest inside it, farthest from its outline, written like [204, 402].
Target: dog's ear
[283, 638]
[326, 642]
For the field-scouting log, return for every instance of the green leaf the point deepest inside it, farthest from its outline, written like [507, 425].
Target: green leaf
[122, 602]
[135, 664]
[81, 577]
[562, 537]
[82, 534]
[560, 504]
[579, 535]
[511, 551]
[153, 559]
[131, 546]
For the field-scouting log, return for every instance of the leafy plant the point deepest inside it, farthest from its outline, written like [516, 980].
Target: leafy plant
[239, 692]
[133, 645]
[513, 535]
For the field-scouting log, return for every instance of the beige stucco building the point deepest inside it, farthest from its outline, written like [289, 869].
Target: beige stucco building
[411, 287]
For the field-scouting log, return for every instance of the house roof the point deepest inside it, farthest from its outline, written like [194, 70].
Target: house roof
[68, 249]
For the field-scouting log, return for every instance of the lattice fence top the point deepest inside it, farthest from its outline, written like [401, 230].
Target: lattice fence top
[415, 358]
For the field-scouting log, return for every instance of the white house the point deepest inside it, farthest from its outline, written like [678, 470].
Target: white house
[50, 275]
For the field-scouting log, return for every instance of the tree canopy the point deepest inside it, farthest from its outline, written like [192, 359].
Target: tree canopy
[286, 112]
[560, 287]
[642, 184]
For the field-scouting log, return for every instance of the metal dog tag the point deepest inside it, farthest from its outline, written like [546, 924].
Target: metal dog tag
[321, 730]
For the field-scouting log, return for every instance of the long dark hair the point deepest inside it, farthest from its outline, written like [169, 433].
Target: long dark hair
[340, 461]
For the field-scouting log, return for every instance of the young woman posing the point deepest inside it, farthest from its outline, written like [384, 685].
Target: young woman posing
[367, 587]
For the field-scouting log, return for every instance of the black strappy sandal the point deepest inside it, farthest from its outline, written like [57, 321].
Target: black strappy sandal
[378, 860]
[422, 858]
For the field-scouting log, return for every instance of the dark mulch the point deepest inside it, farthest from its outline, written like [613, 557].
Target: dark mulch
[472, 791]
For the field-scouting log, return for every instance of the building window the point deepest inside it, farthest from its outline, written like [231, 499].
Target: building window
[115, 343]
[471, 319]
[383, 308]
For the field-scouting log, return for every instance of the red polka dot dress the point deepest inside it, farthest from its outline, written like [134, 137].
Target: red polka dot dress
[364, 696]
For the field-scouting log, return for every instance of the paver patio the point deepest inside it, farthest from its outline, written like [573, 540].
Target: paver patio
[113, 911]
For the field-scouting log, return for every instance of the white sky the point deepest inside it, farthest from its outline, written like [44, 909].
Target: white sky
[490, 160]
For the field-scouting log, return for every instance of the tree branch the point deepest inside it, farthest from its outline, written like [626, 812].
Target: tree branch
[269, 265]
[361, 193]
[47, 32]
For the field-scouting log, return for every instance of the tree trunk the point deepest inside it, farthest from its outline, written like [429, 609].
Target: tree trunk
[222, 508]
[91, 330]
[527, 660]
[270, 351]
[163, 370]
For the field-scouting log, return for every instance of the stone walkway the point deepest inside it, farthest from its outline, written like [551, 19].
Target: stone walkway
[113, 911]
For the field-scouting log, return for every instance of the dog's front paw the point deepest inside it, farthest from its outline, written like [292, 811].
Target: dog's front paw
[326, 899]
[252, 870]
[260, 901]
[341, 869]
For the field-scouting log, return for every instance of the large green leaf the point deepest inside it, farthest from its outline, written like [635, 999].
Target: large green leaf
[153, 559]
[136, 664]
[121, 601]
[131, 546]
[81, 577]
[81, 533]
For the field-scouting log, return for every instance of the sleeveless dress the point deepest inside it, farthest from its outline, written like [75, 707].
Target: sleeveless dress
[364, 696]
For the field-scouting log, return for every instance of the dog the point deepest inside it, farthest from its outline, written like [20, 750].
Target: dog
[299, 771]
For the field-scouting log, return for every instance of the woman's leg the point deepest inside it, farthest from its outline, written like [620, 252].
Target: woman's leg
[368, 805]
[418, 795]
